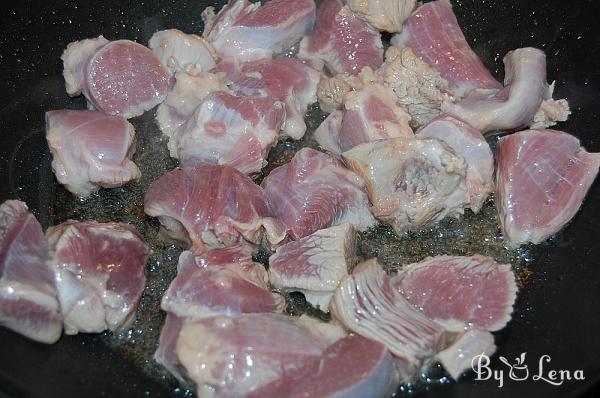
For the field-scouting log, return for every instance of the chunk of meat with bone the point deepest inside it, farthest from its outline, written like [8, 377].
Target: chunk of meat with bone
[211, 205]
[90, 150]
[412, 183]
[315, 264]
[100, 274]
[28, 301]
[184, 98]
[419, 87]
[229, 130]
[541, 180]
[434, 35]
[341, 41]
[384, 15]
[250, 31]
[351, 367]
[515, 105]
[178, 51]
[227, 357]
[120, 78]
[472, 146]
[285, 79]
[314, 191]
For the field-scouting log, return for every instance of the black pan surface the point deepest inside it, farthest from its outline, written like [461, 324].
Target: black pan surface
[556, 312]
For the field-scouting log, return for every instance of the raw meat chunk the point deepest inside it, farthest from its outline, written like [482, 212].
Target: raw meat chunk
[178, 51]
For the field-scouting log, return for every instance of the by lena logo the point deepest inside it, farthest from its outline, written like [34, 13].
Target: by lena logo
[519, 371]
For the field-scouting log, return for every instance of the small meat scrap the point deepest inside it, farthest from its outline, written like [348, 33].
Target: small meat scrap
[542, 177]
[90, 150]
[419, 86]
[331, 90]
[551, 111]
[384, 15]
[100, 274]
[178, 51]
[213, 206]
[121, 78]
[412, 183]
[341, 41]
[315, 264]
[28, 298]
[314, 191]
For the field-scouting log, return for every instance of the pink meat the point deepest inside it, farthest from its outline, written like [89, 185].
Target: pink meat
[229, 130]
[460, 292]
[314, 191]
[165, 353]
[328, 132]
[28, 302]
[472, 146]
[351, 367]
[90, 150]
[434, 35]
[285, 79]
[248, 31]
[541, 180]
[100, 274]
[211, 205]
[342, 41]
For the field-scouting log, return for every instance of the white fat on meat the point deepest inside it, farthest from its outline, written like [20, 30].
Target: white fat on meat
[100, 274]
[28, 298]
[458, 357]
[315, 264]
[384, 15]
[75, 57]
[328, 133]
[412, 183]
[551, 111]
[179, 51]
[331, 90]
[90, 150]
[472, 146]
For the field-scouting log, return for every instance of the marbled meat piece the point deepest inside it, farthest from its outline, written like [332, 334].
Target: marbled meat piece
[90, 150]
[100, 274]
[178, 51]
[28, 300]
[542, 177]
[314, 191]
[315, 264]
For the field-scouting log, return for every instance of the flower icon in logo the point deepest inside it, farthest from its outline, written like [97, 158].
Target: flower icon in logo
[519, 370]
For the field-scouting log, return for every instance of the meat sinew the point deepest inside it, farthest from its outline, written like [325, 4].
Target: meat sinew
[28, 302]
[341, 41]
[314, 191]
[211, 205]
[411, 182]
[100, 274]
[90, 150]
[120, 78]
[541, 179]
[315, 264]
[250, 31]
[178, 51]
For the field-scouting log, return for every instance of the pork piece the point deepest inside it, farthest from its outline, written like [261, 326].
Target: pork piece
[211, 205]
[165, 354]
[285, 79]
[434, 35]
[90, 150]
[419, 87]
[341, 41]
[232, 357]
[411, 182]
[385, 15]
[516, 104]
[248, 31]
[229, 130]
[327, 134]
[315, 264]
[184, 98]
[314, 191]
[100, 274]
[458, 357]
[472, 146]
[351, 367]
[367, 304]
[121, 78]
[460, 293]
[178, 51]
[28, 302]
[541, 179]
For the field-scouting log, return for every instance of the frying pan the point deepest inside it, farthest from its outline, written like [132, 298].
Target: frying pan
[556, 312]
